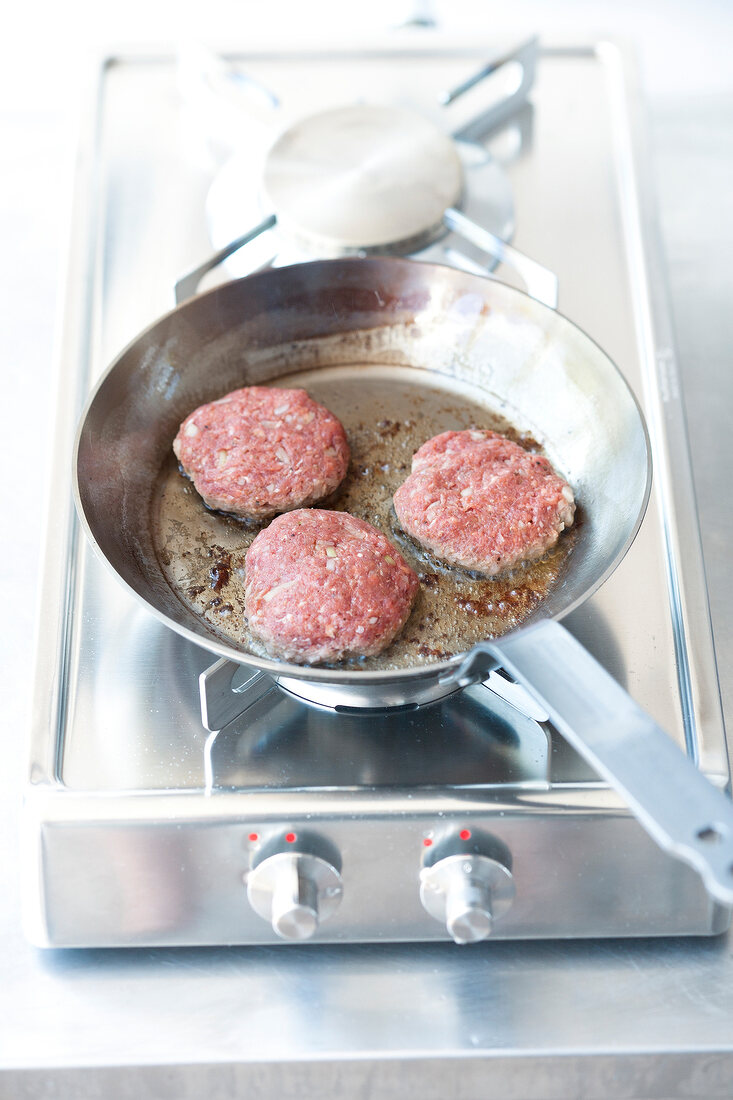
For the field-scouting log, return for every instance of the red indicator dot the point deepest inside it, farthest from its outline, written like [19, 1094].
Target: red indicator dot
[465, 834]
[290, 838]
[254, 836]
[427, 842]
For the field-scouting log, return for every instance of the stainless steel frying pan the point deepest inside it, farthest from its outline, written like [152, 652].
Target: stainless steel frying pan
[435, 348]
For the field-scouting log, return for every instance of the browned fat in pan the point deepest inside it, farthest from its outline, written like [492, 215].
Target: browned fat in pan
[399, 350]
[387, 413]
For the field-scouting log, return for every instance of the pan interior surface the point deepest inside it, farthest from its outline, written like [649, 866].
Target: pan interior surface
[399, 351]
[388, 412]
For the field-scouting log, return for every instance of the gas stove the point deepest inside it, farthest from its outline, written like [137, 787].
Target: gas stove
[175, 801]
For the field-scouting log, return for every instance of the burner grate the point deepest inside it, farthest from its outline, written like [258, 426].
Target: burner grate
[370, 178]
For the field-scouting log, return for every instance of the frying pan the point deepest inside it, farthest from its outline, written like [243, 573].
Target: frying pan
[387, 334]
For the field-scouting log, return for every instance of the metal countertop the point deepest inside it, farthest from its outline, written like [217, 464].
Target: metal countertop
[581, 1019]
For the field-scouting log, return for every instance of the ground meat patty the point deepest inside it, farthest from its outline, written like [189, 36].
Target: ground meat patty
[259, 451]
[478, 500]
[322, 586]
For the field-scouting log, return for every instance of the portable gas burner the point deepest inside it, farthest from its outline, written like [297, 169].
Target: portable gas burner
[175, 801]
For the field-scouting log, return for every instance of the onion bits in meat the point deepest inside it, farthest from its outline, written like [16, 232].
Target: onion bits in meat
[259, 451]
[478, 500]
[324, 586]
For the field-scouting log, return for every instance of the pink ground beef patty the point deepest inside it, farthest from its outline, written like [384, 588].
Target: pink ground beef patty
[260, 450]
[478, 500]
[323, 586]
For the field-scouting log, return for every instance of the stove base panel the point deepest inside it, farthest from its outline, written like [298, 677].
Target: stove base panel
[162, 878]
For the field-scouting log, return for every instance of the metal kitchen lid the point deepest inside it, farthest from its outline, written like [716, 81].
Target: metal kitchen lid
[362, 178]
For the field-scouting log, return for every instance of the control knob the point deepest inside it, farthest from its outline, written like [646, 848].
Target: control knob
[295, 892]
[467, 892]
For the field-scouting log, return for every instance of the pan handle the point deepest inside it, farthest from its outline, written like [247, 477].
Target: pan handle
[541, 283]
[188, 284]
[674, 801]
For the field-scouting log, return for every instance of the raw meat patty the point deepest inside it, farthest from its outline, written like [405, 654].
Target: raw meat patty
[259, 451]
[321, 586]
[477, 500]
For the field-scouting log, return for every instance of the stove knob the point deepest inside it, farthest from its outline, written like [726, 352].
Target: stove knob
[295, 891]
[468, 893]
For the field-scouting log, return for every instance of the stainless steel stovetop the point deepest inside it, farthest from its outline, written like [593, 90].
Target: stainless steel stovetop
[142, 827]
